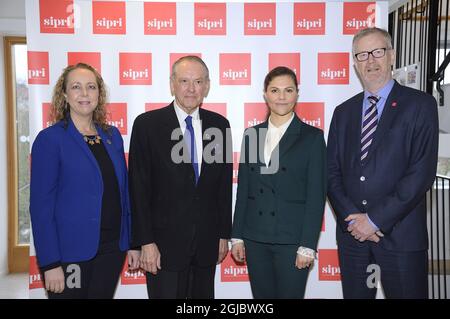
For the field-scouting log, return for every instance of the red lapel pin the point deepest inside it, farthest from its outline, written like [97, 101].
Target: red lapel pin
[394, 104]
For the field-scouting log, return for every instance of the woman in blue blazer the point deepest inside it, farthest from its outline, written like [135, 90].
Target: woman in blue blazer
[79, 203]
[281, 194]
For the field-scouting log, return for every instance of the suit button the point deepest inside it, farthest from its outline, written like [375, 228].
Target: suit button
[272, 213]
[260, 213]
[362, 178]
[273, 191]
[252, 169]
[283, 169]
[261, 191]
[364, 202]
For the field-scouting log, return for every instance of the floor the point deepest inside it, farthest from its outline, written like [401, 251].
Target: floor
[14, 286]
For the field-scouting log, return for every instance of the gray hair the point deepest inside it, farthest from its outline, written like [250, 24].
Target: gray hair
[192, 58]
[368, 31]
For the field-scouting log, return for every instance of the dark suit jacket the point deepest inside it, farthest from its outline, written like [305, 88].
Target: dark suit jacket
[66, 194]
[285, 207]
[398, 171]
[167, 207]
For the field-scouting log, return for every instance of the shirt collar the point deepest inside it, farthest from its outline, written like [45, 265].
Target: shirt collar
[281, 128]
[181, 114]
[383, 93]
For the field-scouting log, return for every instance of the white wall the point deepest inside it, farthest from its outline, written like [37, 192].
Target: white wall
[12, 22]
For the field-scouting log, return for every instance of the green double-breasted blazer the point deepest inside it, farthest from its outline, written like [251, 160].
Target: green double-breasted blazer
[285, 204]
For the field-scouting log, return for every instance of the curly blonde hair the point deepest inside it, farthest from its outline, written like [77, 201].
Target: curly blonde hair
[60, 109]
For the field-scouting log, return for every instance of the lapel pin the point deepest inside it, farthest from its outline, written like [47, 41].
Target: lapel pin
[108, 141]
[394, 104]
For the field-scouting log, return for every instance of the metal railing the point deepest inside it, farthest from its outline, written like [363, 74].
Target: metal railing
[438, 206]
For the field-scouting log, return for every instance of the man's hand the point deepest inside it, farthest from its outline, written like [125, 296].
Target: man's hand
[223, 250]
[150, 259]
[238, 252]
[133, 259]
[54, 280]
[360, 227]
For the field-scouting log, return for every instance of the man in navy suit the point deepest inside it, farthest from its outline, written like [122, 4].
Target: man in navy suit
[382, 158]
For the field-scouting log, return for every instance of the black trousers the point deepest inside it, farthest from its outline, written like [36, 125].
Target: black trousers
[403, 275]
[194, 282]
[93, 279]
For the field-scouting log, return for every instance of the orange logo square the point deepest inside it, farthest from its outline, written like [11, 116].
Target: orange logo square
[309, 18]
[35, 280]
[56, 16]
[290, 60]
[220, 108]
[235, 68]
[109, 17]
[175, 56]
[154, 106]
[160, 18]
[329, 269]
[38, 67]
[311, 113]
[135, 68]
[131, 277]
[46, 108]
[333, 68]
[210, 18]
[260, 18]
[232, 272]
[357, 16]
[91, 58]
[255, 113]
[118, 116]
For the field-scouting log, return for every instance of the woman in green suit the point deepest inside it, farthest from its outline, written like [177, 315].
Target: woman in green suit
[281, 194]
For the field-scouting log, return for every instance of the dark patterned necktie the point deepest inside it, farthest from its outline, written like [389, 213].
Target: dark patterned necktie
[369, 126]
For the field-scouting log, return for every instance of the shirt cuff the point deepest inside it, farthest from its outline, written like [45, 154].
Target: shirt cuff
[373, 224]
[235, 241]
[306, 252]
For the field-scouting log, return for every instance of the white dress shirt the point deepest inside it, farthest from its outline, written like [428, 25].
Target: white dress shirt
[197, 125]
[273, 137]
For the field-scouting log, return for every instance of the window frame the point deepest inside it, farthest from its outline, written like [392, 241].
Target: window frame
[18, 254]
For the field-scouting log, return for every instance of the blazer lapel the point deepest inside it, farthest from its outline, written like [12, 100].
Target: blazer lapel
[386, 119]
[290, 136]
[353, 134]
[112, 152]
[170, 125]
[73, 132]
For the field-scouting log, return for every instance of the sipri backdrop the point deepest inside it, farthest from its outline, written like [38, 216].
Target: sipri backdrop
[134, 43]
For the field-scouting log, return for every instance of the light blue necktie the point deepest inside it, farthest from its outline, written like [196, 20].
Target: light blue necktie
[189, 137]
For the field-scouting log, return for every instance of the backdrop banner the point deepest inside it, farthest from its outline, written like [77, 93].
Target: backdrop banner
[133, 45]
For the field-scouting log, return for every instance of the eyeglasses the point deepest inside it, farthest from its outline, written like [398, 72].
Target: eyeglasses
[376, 53]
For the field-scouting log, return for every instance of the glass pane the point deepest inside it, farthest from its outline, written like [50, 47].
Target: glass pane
[23, 142]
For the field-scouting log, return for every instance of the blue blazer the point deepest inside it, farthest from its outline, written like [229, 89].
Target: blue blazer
[399, 169]
[66, 194]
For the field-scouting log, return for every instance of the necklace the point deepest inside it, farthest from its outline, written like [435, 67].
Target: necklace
[92, 139]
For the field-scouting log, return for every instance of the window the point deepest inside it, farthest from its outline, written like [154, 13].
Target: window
[18, 150]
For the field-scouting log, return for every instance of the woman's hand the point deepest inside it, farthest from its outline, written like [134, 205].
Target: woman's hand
[303, 261]
[238, 252]
[54, 280]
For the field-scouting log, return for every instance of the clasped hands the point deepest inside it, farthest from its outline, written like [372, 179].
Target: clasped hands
[361, 229]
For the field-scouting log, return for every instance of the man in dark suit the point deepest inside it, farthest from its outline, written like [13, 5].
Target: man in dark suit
[382, 157]
[181, 188]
